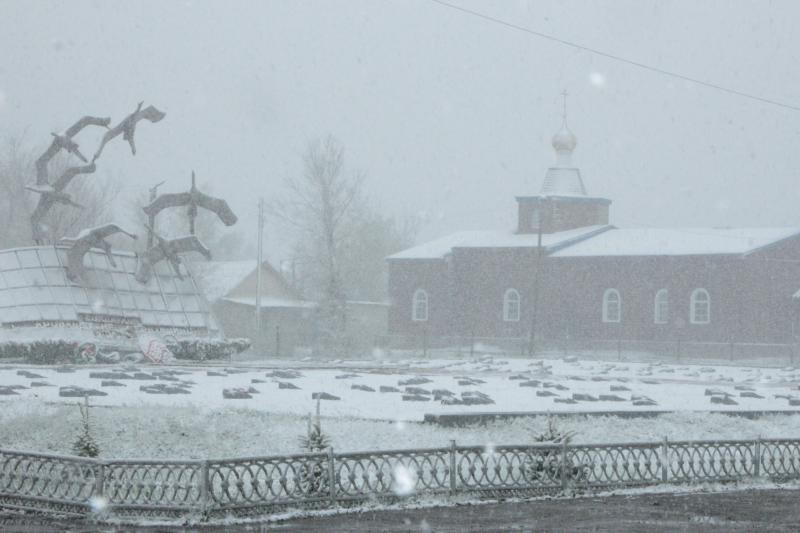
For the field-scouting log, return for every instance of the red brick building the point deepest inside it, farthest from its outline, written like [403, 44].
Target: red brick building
[591, 280]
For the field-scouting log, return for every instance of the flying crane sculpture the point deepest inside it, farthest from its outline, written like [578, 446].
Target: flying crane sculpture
[192, 199]
[169, 249]
[85, 241]
[127, 128]
[49, 195]
[52, 194]
[64, 142]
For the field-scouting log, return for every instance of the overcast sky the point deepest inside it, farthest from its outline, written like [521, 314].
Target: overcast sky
[449, 116]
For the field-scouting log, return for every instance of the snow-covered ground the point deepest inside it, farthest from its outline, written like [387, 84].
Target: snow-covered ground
[197, 432]
[129, 422]
[512, 384]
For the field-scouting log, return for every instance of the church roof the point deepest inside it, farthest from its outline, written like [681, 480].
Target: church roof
[678, 241]
[561, 181]
[439, 248]
[605, 241]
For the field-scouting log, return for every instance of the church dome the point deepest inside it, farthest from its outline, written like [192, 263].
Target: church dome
[564, 140]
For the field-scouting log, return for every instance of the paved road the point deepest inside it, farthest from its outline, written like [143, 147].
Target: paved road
[755, 510]
[749, 511]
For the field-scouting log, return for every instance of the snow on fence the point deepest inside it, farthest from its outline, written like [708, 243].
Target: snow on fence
[55, 484]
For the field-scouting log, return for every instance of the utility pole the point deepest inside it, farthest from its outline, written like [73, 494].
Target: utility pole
[535, 310]
[258, 265]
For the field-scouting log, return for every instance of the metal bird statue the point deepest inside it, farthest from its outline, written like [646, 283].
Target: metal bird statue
[151, 220]
[169, 250]
[51, 195]
[127, 128]
[85, 241]
[64, 142]
[192, 199]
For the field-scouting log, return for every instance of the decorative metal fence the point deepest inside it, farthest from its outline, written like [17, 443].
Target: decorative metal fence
[253, 486]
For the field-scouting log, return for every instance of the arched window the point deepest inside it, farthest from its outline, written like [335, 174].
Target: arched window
[700, 307]
[511, 306]
[661, 312]
[419, 308]
[612, 306]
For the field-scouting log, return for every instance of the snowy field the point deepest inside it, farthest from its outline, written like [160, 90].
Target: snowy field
[485, 385]
[196, 420]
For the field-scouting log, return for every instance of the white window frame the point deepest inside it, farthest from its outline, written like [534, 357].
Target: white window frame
[700, 297]
[609, 317]
[511, 305]
[419, 306]
[661, 307]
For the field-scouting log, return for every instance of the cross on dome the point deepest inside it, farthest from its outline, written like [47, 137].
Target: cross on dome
[564, 141]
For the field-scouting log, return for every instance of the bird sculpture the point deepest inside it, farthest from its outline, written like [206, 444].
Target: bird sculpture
[64, 142]
[127, 128]
[85, 241]
[50, 195]
[192, 199]
[169, 250]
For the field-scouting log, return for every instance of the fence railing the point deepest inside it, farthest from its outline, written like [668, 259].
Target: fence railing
[262, 485]
[675, 350]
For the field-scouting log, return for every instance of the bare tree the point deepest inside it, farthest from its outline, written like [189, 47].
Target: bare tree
[18, 170]
[320, 208]
[340, 239]
[16, 204]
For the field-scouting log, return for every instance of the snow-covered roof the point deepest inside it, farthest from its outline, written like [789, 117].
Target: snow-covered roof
[496, 239]
[678, 241]
[270, 302]
[218, 278]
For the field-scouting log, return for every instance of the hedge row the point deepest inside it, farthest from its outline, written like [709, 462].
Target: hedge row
[40, 352]
[205, 349]
[49, 352]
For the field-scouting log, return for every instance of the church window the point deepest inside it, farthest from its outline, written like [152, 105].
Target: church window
[661, 313]
[511, 302]
[700, 307]
[419, 309]
[612, 306]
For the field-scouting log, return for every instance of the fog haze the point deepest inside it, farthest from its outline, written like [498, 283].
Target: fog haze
[448, 115]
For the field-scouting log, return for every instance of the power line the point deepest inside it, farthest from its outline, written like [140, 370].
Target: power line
[614, 57]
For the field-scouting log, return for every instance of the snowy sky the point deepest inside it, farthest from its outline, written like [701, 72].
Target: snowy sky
[448, 115]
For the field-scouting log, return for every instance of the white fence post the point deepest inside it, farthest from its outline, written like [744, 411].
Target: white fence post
[665, 460]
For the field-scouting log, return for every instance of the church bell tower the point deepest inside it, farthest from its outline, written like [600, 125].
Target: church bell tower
[562, 203]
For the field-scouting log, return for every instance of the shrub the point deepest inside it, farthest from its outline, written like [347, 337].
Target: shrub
[552, 465]
[313, 478]
[60, 351]
[85, 445]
